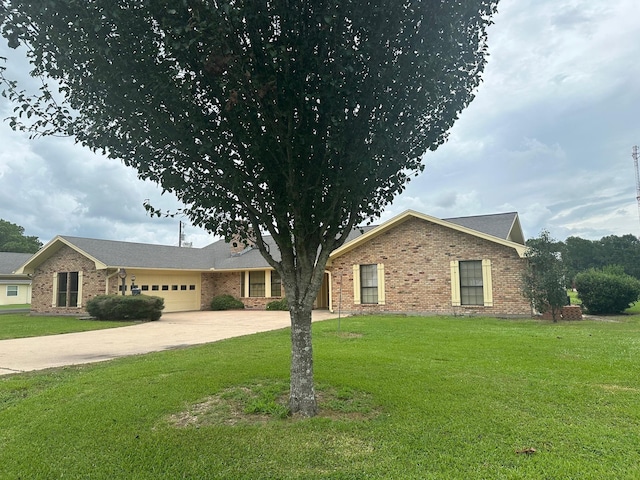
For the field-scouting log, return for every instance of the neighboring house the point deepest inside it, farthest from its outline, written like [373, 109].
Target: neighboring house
[14, 288]
[413, 263]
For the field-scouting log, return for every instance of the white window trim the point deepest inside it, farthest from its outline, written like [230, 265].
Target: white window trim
[267, 283]
[455, 283]
[487, 283]
[54, 300]
[17, 290]
[356, 284]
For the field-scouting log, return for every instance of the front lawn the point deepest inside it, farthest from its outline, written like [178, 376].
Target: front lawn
[19, 306]
[402, 397]
[20, 325]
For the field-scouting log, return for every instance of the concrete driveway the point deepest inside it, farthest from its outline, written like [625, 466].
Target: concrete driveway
[173, 330]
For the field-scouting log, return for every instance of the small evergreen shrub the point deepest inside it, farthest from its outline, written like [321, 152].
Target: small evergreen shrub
[226, 302]
[607, 290]
[126, 307]
[281, 304]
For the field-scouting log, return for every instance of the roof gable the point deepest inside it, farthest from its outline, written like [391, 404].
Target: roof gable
[501, 225]
[484, 223]
[115, 254]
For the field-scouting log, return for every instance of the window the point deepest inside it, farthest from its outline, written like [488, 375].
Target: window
[192, 287]
[165, 288]
[368, 284]
[183, 287]
[174, 287]
[257, 284]
[471, 292]
[144, 288]
[154, 288]
[67, 288]
[471, 283]
[276, 284]
[12, 290]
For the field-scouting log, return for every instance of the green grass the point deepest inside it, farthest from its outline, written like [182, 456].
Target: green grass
[453, 398]
[20, 325]
[633, 309]
[15, 306]
[573, 296]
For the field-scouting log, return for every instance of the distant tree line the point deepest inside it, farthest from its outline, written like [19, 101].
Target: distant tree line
[579, 254]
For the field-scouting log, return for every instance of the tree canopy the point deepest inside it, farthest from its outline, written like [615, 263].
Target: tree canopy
[580, 254]
[13, 239]
[291, 118]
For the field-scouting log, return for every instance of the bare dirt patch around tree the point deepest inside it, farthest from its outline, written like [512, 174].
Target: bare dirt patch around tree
[266, 401]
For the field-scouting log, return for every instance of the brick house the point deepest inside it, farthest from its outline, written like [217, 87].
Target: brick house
[413, 263]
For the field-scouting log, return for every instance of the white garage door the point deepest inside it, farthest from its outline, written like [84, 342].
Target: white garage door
[181, 292]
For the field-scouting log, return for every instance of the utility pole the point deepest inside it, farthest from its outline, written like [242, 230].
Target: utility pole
[635, 155]
[180, 235]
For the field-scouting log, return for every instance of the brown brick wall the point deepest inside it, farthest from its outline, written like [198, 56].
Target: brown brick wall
[416, 256]
[214, 284]
[568, 312]
[65, 260]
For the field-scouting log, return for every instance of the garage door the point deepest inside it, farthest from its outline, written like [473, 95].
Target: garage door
[181, 292]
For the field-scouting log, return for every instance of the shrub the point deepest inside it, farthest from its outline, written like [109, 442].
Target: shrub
[607, 290]
[129, 307]
[281, 304]
[226, 302]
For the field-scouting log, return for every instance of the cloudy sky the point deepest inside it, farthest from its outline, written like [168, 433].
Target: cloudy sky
[549, 135]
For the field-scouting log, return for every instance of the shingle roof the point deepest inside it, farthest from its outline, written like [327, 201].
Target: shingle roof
[142, 255]
[218, 255]
[10, 261]
[499, 225]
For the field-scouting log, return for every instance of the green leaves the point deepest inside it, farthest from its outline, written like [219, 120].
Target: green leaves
[543, 282]
[13, 239]
[608, 290]
[294, 118]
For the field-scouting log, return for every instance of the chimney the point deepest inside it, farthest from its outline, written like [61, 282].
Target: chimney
[238, 245]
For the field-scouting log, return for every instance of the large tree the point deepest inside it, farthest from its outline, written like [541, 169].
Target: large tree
[292, 118]
[13, 239]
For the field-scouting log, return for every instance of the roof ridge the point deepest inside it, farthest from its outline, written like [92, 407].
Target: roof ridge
[70, 237]
[482, 215]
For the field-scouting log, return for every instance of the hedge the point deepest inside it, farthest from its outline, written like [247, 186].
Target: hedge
[126, 307]
[603, 291]
[226, 302]
[281, 304]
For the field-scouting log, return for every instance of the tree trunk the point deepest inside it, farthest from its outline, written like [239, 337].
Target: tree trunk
[302, 398]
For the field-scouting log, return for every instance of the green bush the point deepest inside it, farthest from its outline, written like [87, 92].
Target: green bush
[607, 290]
[281, 304]
[226, 302]
[125, 307]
